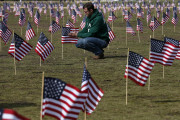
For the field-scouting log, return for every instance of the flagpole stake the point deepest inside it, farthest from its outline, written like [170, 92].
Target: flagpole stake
[149, 83]
[126, 38]
[62, 52]
[14, 55]
[163, 71]
[40, 61]
[162, 30]
[127, 78]
[86, 62]
[0, 46]
[21, 30]
[51, 36]
[42, 95]
[139, 36]
[153, 33]
[174, 28]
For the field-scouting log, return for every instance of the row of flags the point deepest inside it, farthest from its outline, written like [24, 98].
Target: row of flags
[164, 52]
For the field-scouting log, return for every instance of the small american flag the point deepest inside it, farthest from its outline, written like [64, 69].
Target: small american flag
[5, 33]
[54, 27]
[94, 92]
[5, 15]
[148, 15]
[111, 17]
[111, 34]
[67, 39]
[139, 25]
[52, 13]
[175, 19]
[17, 12]
[24, 13]
[58, 16]
[165, 18]
[154, 24]
[31, 12]
[163, 52]
[129, 29]
[73, 16]
[29, 32]
[21, 19]
[61, 100]
[158, 13]
[83, 23]
[37, 18]
[167, 12]
[44, 47]
[139, 12]
[138, 68]
[127, 16]
[9, 114]
[78, 12]
[175, 43]
[62, 13]
[69, 24]
[19, 48]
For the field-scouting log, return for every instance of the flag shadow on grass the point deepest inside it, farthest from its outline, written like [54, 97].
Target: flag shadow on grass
[16, 105]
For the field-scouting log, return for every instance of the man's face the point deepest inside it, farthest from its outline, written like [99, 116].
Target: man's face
[87, 12]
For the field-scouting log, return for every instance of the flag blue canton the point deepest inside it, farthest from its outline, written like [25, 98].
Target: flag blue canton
[86, 75]
[134, 59]
[43, 39]
[170, 40]
[1, 113]
[3, 27]
[65, 31]
[18, 40]
[53, 88]
[157, 45]
[29, 26]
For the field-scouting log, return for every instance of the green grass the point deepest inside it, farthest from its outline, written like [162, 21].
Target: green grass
[22, 92]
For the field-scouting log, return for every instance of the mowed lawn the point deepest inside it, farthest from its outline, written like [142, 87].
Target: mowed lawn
[22, 92]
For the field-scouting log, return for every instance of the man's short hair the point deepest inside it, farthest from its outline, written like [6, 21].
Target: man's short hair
[89, 6]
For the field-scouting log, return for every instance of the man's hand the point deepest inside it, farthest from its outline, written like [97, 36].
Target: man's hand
[73, 34]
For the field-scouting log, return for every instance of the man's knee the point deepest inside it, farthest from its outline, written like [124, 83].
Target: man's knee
[82, 43]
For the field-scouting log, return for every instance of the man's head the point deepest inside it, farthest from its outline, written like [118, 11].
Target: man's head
[88, 9]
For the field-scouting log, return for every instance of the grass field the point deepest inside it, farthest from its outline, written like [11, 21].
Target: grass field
[22, 92]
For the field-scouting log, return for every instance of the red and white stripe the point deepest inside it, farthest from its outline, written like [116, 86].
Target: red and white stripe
[67, 107]
[139, 75]
[44, 51]
[167, 56]
[30, 34]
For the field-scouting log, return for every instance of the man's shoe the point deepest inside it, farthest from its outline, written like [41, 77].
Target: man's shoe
[100, 56]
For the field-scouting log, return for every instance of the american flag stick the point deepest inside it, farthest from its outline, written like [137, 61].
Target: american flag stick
[149, 81]
[1, 39]
[163, 65]
[42, 95]
[126, 38]
[139, 36]
[14, 55]
[84, 105]
[127, 78]
[162, 26]
[62, 52]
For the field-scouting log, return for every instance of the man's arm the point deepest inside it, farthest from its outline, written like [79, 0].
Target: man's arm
[94, 29]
